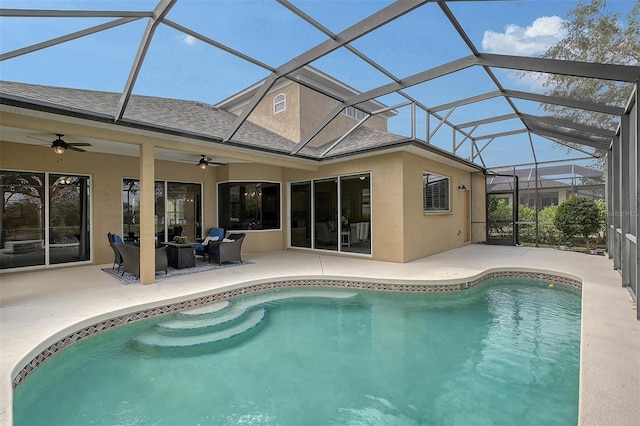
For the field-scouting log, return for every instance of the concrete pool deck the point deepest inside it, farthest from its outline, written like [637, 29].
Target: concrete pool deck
[39, 307]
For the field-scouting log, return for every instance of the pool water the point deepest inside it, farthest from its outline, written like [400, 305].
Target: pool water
[506, 353]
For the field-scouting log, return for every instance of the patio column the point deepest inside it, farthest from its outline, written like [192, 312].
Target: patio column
[147, 214]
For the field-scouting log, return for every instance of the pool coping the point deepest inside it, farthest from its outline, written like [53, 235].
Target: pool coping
[94, 325]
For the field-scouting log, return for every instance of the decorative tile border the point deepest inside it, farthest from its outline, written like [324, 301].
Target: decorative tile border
[102, 326]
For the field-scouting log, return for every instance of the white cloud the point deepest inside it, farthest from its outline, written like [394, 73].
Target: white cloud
[189, 40]
[533, 40]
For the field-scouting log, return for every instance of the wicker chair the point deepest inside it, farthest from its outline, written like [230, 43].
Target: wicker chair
[226, 251]
[117, 258]
[131, 257]
[201, 248]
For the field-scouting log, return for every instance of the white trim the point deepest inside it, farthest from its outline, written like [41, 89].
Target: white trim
[279, 228]
[47, 225]
[276, 103]
[338, 179]
[449, 189]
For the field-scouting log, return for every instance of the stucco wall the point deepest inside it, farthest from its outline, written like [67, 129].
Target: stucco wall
[106, 172]
[305, 108]
[400, 231]
[284, 123]
[386, 199]
[425, 234]
[315, 106]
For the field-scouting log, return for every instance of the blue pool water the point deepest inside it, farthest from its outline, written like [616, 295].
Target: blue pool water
[506, 353]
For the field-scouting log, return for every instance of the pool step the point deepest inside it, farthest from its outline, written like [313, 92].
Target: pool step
[228, 316]
[249, 322]
[212, 308]
[228, 313]
[217, 325]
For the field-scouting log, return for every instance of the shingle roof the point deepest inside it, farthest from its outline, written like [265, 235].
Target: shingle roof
[186, 117]
[189, 118]
[361, 139]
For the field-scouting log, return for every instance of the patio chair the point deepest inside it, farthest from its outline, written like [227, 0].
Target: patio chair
[131, 258]
[201, 248]
[117, 258]
[226, 250]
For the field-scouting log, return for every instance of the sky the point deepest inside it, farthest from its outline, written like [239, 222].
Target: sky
[179, 66]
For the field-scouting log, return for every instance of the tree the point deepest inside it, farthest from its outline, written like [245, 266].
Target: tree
[578, 217]
[548, 231]
[499, 216]
[594, 34]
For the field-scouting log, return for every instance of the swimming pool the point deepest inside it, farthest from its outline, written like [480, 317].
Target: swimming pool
[504, 353]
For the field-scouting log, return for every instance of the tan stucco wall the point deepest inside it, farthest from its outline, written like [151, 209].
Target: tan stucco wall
[315, 106]
[284, 123]
[386, 199]
[400, 231]
[106, 172]
[305, 109]
[429, 233]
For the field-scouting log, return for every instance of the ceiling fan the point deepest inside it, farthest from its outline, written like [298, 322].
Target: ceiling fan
[59, 146]
[205, 161]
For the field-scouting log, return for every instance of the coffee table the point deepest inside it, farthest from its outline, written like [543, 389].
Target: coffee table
[181, 255]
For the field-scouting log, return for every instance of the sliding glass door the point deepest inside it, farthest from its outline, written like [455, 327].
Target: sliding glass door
[183, 210]
[45, 219]
[355, 205]
[178, 210]
[325, 198]
[300, 225]
[23, 219]
[332, 214]
[68, 218]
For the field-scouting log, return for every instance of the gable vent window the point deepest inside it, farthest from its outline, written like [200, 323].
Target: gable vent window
[435, 192]
[279, 103]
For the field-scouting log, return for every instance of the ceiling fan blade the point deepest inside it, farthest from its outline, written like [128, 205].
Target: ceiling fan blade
[38, 139]
[78, 144]
[209, 160]
[73, 148]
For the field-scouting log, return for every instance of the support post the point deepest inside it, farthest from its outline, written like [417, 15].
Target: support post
[147, 212]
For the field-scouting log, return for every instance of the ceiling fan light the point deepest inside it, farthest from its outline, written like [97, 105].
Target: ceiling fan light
[59, 146]
[203, 163]
[59, 149]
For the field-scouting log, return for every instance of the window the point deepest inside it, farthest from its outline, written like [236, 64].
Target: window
[279, 103]
[249, 205]
[547, 200]
[436, 192]
[352, 112]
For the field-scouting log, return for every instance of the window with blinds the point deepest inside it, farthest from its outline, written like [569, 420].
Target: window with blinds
[435, 190]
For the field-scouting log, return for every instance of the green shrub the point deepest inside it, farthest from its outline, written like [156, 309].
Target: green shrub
[578, 217]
